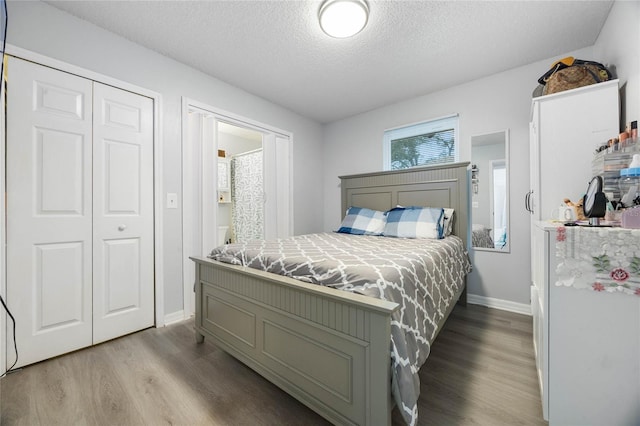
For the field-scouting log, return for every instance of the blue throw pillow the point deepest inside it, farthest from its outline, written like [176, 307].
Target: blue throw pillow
[362, 221]
[415, 222]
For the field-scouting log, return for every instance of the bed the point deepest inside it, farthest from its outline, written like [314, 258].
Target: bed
[481, 237]
[328, 348]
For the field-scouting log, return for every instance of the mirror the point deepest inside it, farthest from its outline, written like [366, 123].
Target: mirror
[490, 191]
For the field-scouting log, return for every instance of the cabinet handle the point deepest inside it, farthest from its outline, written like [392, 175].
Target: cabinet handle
[527, 202]
[122, 227]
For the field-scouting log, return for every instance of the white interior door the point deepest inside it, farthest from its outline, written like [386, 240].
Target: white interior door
[284, 165]
[123, 290]
[49, 210]
[277, 187]
[79, 211]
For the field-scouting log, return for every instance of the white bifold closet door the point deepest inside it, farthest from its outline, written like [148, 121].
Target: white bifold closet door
[123, 280]
[79, 211]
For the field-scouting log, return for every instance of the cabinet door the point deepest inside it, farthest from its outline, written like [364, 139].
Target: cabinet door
[571, 125]
[594, 342]
[533, 200]
[538, 340]
[539, 310]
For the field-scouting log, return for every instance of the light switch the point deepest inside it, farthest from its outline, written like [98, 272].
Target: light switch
[172, 200]
[474, 204]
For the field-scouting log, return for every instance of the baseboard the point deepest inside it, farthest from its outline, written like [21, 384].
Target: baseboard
[174, 317]
[505, 305]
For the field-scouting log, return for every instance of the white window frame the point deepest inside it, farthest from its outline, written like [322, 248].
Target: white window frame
[419, 128]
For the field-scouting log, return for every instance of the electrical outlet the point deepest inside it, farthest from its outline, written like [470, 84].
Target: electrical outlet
[474, 204]
[172, 200]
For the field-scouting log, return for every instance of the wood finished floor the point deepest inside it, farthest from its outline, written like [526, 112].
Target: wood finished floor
[481, 371]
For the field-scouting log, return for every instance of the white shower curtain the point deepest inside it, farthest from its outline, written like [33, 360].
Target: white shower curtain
[247, 192]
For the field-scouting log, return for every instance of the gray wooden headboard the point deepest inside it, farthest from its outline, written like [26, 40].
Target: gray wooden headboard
[433, 186]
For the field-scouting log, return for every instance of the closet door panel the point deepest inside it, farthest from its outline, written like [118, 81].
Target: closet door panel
[122, 286]
[122, 178]
[59, 178]
[58, 282]
[49, 210]
[123, 213]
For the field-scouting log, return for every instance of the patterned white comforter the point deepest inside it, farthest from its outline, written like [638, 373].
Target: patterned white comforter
[482, 238]
[421, 275]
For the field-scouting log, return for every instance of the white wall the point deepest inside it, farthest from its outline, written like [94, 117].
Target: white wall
[498, 102]
[619, 44]
[233, 144]
[40, 28]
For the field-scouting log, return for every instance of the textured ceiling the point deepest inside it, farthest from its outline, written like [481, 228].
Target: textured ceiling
[276, 49]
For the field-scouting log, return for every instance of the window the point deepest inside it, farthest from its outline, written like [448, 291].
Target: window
[423, 144]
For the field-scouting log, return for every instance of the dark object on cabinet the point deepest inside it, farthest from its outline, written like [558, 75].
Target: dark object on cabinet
[569, 73]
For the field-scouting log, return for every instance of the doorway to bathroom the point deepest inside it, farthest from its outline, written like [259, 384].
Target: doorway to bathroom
[240, 184]
[236, 184]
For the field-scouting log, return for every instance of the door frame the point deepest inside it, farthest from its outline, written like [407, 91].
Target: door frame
[38, 58]
[3, 221]
[188, 199]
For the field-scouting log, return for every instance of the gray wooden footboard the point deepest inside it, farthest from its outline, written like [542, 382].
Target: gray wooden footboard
[328, 349]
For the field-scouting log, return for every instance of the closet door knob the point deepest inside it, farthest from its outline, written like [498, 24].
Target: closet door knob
[122, 227]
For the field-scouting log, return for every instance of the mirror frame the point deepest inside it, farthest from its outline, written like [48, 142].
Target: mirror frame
[507, 149]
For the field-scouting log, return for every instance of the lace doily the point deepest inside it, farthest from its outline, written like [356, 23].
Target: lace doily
[599, 259]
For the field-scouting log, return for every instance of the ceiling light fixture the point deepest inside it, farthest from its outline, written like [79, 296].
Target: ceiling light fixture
[343, 18]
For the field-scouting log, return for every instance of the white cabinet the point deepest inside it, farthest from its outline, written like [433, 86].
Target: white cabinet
[565, 129]
[587, 344]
